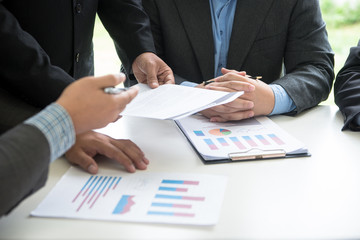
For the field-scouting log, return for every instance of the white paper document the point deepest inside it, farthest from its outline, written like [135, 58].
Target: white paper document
[173, 198]
[257, 135]
[171, 101]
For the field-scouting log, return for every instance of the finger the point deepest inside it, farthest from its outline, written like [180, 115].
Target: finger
[109, 150]
[234, 106]
[233, 116]
[127, 96]
[133, 152]
[230, 86]
[151, 76]
[84, 161]
[225, 71]
[234, 77]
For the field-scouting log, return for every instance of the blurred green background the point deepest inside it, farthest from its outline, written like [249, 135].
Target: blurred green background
[341, 16]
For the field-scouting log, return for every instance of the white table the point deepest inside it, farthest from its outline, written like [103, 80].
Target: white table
[314, 197]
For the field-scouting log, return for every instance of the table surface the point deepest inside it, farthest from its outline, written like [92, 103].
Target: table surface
[312, 197]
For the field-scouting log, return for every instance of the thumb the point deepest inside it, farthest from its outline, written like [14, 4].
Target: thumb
[151, 77]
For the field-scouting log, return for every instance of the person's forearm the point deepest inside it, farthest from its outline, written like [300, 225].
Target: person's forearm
[56, 125]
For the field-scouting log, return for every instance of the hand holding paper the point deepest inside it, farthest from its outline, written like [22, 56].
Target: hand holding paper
[175, 101]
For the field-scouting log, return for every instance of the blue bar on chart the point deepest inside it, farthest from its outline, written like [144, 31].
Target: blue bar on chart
[163, 196]
[101, 191]
[82, 189]
[170, 205]
[211, 144]
[249, 140]
[199, 133]
[94, 187]
[168, 181]
[171, 214]
[124, 205]
[173, 189]
[262, 139]
[91, 191]
[237, 142]
[223, 142]
[276, 139]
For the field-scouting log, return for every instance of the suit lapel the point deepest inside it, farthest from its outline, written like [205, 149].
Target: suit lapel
[249, 17]
[196, 17]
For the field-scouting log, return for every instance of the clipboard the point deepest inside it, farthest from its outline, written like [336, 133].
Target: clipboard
[251, 154]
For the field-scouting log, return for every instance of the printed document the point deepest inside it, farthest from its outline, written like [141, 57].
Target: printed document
[172, 198]
[171, 101]
[216, 141]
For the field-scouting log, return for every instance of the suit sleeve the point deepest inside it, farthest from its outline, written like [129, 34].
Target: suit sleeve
[347, 87]
[24, 161]
[308, 57]
[25, 68]
[129, 27]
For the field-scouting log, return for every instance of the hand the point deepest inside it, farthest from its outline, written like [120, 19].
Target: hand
[91, 143]
[149, 68]
[258, 98]
[89, 107]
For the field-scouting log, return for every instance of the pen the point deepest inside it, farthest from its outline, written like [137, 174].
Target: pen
[114, 90]
[255, 77]
[208, 82]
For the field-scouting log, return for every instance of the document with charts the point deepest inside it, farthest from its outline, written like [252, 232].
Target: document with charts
[174, 198]
[254, 138]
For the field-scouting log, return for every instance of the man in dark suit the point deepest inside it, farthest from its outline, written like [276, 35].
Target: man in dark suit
[27, 150]
[284, 41]
[347, 90]
[46, 45]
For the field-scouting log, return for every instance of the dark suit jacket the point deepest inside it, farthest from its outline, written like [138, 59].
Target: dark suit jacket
[45, 45]
[347, 87]
[266, 34]
[24, 161]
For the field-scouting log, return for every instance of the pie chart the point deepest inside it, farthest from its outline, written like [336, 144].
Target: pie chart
[220, 132]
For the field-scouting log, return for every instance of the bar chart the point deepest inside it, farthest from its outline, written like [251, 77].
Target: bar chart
[140, 197]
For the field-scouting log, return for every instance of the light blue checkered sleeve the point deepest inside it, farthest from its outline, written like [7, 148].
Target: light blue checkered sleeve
[56, 124]
[283, 103]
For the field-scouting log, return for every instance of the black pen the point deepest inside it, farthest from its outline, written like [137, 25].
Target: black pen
[114, 90]
[255, 77]
[208, 82]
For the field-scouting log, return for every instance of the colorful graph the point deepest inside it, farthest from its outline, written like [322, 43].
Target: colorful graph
[220, 132]
[170, 205]
[276, 139]
[262, 139]
[237, 142]
[176, 214]
[93, 188]
[199, 133]
[124, 205]
[211, 144]
[172, 199]
[173, 189]
[223, 142]
[179, 197]
[168, 181]
[250, 141]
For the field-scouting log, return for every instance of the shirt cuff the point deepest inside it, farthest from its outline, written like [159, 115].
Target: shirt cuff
[188, 84]
[56, 124]
[283, 103]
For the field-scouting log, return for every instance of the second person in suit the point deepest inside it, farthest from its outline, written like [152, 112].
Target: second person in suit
[284, 41]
